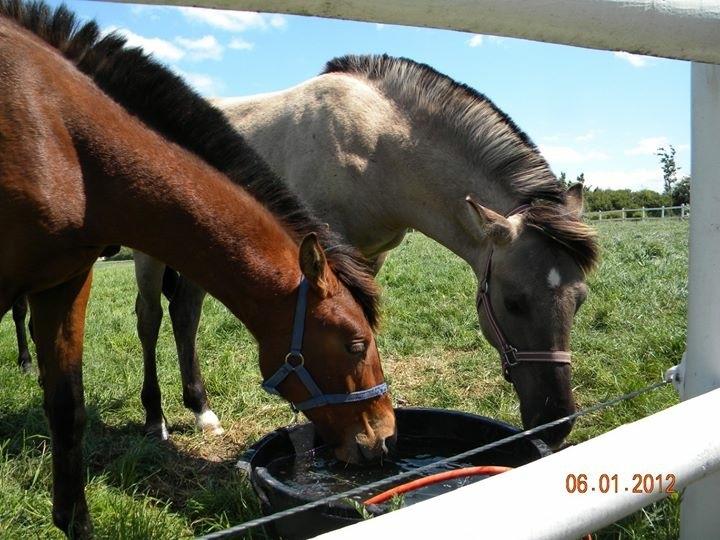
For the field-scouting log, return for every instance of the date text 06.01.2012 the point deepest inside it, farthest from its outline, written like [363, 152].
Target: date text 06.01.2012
[612, 483]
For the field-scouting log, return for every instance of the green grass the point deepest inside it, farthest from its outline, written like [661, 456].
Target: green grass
[631, 329]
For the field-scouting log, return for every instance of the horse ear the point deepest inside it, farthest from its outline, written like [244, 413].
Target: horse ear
[313, 263]
[498, 228]
[574, 199]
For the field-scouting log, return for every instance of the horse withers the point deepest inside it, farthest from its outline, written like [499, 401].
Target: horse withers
[106, 179]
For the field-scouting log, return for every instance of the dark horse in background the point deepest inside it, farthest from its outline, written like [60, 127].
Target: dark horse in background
[20, 311]
[106, 179]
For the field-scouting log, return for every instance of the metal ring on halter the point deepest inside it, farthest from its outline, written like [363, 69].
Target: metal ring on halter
[294, 354]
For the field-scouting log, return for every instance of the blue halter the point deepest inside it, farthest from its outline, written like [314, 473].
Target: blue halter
[318, 399]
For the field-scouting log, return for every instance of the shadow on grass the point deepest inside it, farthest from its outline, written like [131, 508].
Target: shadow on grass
[209, 493]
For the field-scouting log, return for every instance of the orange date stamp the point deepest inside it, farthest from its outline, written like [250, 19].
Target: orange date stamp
[612, 483]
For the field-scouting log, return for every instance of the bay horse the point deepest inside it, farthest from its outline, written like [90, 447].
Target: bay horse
[79, 172]
[399, 145]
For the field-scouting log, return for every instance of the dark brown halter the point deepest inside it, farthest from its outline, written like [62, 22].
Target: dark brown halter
[509, 355]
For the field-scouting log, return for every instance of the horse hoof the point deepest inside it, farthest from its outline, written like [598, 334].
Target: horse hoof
[209, 423]
[157, 431]
[26, 368]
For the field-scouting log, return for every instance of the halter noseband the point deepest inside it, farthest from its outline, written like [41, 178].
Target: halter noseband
[295, 363]
[509, 355]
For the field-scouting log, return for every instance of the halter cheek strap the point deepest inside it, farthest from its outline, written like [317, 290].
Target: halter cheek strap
[295, 363]
[509, 355]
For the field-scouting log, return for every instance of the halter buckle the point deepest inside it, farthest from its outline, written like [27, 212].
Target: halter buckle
[294, 354]
[510, 357]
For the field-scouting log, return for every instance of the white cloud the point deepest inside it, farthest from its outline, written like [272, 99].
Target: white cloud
[568, 154]
[379, 26]
[635, 60]
[203, 83]
[475, 41]
[159, 48]
[233, 21]
[634, 179]
[647, 147]
[240, 44]
[587, 136]
[204, 48]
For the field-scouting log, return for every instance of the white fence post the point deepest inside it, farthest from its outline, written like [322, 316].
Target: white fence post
[623, 214]
[662, 213]
[643, 213]
[699, 515]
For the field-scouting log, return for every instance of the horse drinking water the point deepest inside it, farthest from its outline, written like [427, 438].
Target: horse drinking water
[79, 172]
[399, 145]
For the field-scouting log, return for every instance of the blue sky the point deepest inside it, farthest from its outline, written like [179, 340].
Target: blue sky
[596, 112]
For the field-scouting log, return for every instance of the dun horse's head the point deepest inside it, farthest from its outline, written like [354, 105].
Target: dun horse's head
[532, 283]
[324, 360]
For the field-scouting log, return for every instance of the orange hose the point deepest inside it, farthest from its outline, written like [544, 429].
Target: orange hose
[434, 479]
[440, 477]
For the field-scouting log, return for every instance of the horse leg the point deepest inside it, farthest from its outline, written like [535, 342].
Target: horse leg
[148, 273]
[59, 324]
[185, 312]
[19, 311]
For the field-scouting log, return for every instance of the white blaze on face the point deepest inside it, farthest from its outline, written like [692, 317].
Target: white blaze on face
[553, 278]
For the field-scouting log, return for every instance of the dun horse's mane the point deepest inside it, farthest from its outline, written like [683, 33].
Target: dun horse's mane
[163, 101]
[492, 141]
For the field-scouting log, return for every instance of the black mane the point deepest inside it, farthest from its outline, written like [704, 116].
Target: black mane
[163, 101]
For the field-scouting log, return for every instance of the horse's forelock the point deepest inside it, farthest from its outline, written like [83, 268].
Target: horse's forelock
[564, 227]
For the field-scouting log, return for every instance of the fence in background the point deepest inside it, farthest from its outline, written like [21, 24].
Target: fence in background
[636, 214]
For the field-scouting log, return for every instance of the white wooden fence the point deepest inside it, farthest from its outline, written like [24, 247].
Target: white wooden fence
[636, 214]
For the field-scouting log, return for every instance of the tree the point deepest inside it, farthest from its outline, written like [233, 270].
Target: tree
[581, 178]
[669, 167]
[681, 192]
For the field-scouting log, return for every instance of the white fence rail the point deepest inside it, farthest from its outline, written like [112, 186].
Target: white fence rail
[539, 502]
[635, 214]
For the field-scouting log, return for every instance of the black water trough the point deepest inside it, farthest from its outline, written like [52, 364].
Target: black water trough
[285, 471]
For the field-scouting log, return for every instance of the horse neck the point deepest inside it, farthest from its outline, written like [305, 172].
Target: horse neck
[417, 178]
[158, 198]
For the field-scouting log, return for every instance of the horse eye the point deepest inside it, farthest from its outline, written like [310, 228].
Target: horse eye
[357, 347]
[515, 305]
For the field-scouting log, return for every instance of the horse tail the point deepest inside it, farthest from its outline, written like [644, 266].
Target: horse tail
[170, 282]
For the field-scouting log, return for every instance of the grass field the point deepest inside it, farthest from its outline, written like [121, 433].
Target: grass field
[630, 330]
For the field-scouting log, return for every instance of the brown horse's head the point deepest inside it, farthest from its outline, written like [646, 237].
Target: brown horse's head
[340, 354]
[539, 261]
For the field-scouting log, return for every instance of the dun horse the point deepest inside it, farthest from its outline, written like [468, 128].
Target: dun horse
[401, 146]
[412, 148]
[79, 172]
